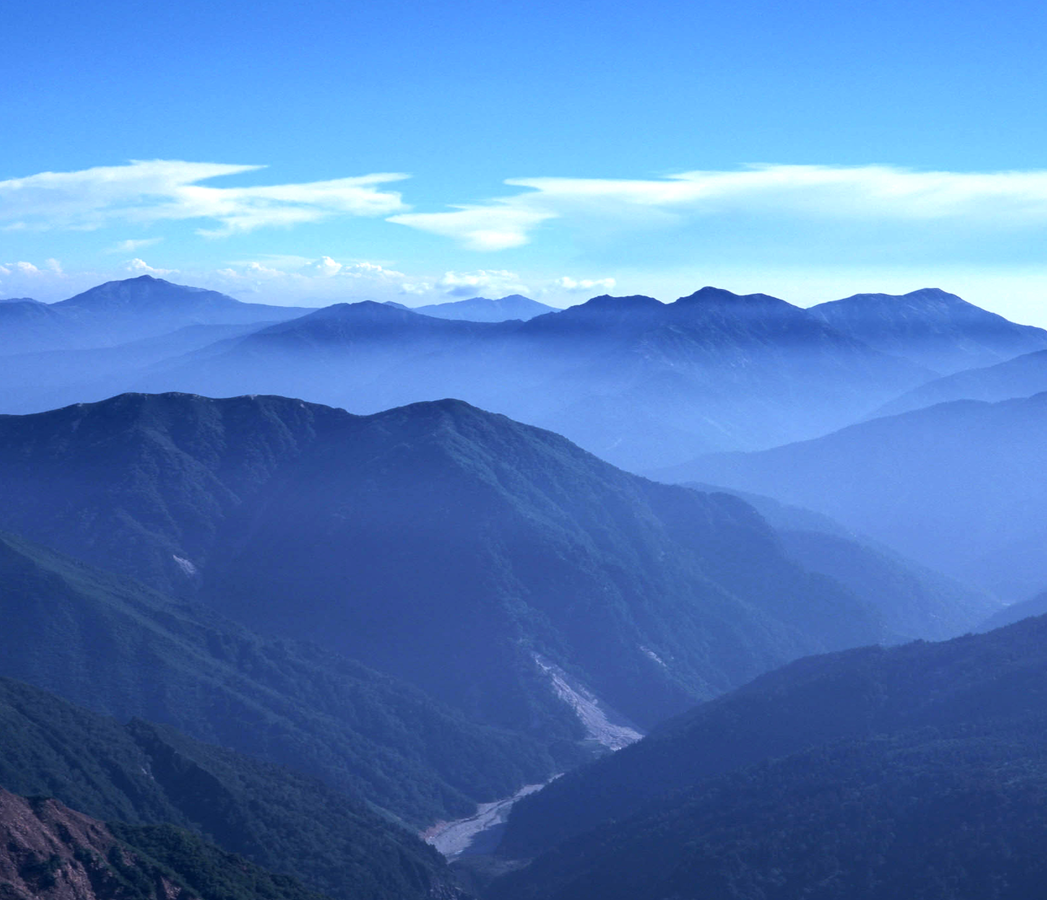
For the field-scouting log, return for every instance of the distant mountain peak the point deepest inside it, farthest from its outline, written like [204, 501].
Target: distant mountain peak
[483, 309]
[619, 304]
[933, 327]
[144, 290]
[722, 296]
[930, 297]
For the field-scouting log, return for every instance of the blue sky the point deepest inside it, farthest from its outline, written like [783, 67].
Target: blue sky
[313, 152]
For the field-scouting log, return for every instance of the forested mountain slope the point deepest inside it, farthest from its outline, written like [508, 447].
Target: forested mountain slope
[143, 774]
[113, 646]
[929, 721]
[454, 548]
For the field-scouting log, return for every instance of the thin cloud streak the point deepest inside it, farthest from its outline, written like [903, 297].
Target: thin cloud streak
[862, 193]
[157, 190]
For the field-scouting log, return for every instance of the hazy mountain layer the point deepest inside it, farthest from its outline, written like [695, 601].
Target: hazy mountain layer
[933, 328]
[480, 309]
[1023, 609]
[635, 381]
[977, 686]
[457, 549]
[121, 311]
[48, 379]
[114, 646]
[1021, 377]
[142, 774]
[914, 601]
[959, 486]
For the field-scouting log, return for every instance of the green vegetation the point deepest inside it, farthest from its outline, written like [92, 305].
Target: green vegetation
[948, 814]
[437, 543]
[142, 773]
[113, 646]
[205, 870]
[50, 850]
[816, 700]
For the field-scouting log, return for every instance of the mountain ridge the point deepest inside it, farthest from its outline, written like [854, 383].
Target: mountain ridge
[933, 327]
[436, 542]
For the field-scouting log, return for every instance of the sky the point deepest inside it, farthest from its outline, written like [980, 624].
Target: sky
[316, 152]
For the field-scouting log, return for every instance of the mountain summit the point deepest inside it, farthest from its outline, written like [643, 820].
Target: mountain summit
[932, 327]
[119, 312]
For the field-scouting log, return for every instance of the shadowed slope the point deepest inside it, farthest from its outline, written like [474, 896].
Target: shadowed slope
[864, 737]
[451, 547]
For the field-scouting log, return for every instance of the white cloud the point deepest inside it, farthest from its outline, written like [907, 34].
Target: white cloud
[468, 284]
[419, 288]
[292, 279]
[370, 270]
[26, 268]
[858, 193]
[141, 267]
[156, 190]
[324, 267]
[586, 284]
[505, 224]
[130, 246]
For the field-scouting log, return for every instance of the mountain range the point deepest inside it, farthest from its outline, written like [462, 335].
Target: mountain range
[635, 381]
[931, 327]
[641, 383]
[121, 311]
[480, 309]
[957, 486]
[254, 646]
[452, 548]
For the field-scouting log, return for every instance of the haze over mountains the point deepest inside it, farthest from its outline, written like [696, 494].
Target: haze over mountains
[958, 486]
[1022, 376]
[320, 626]
[638, 382]
[122, 311]
[481, 309]
[524, 551]
[936, 329]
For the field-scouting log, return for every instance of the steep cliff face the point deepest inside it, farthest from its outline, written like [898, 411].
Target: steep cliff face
[48, 850]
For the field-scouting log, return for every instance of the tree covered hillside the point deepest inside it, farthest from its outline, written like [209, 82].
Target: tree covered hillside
[453, 548]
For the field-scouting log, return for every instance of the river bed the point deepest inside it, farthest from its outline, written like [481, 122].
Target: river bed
[480, 832]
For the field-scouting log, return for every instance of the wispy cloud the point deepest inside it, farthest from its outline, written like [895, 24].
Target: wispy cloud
[141, 267]
[584, 284]
[859, 193]
[504, 224]
[157, 190]
[131, 246]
